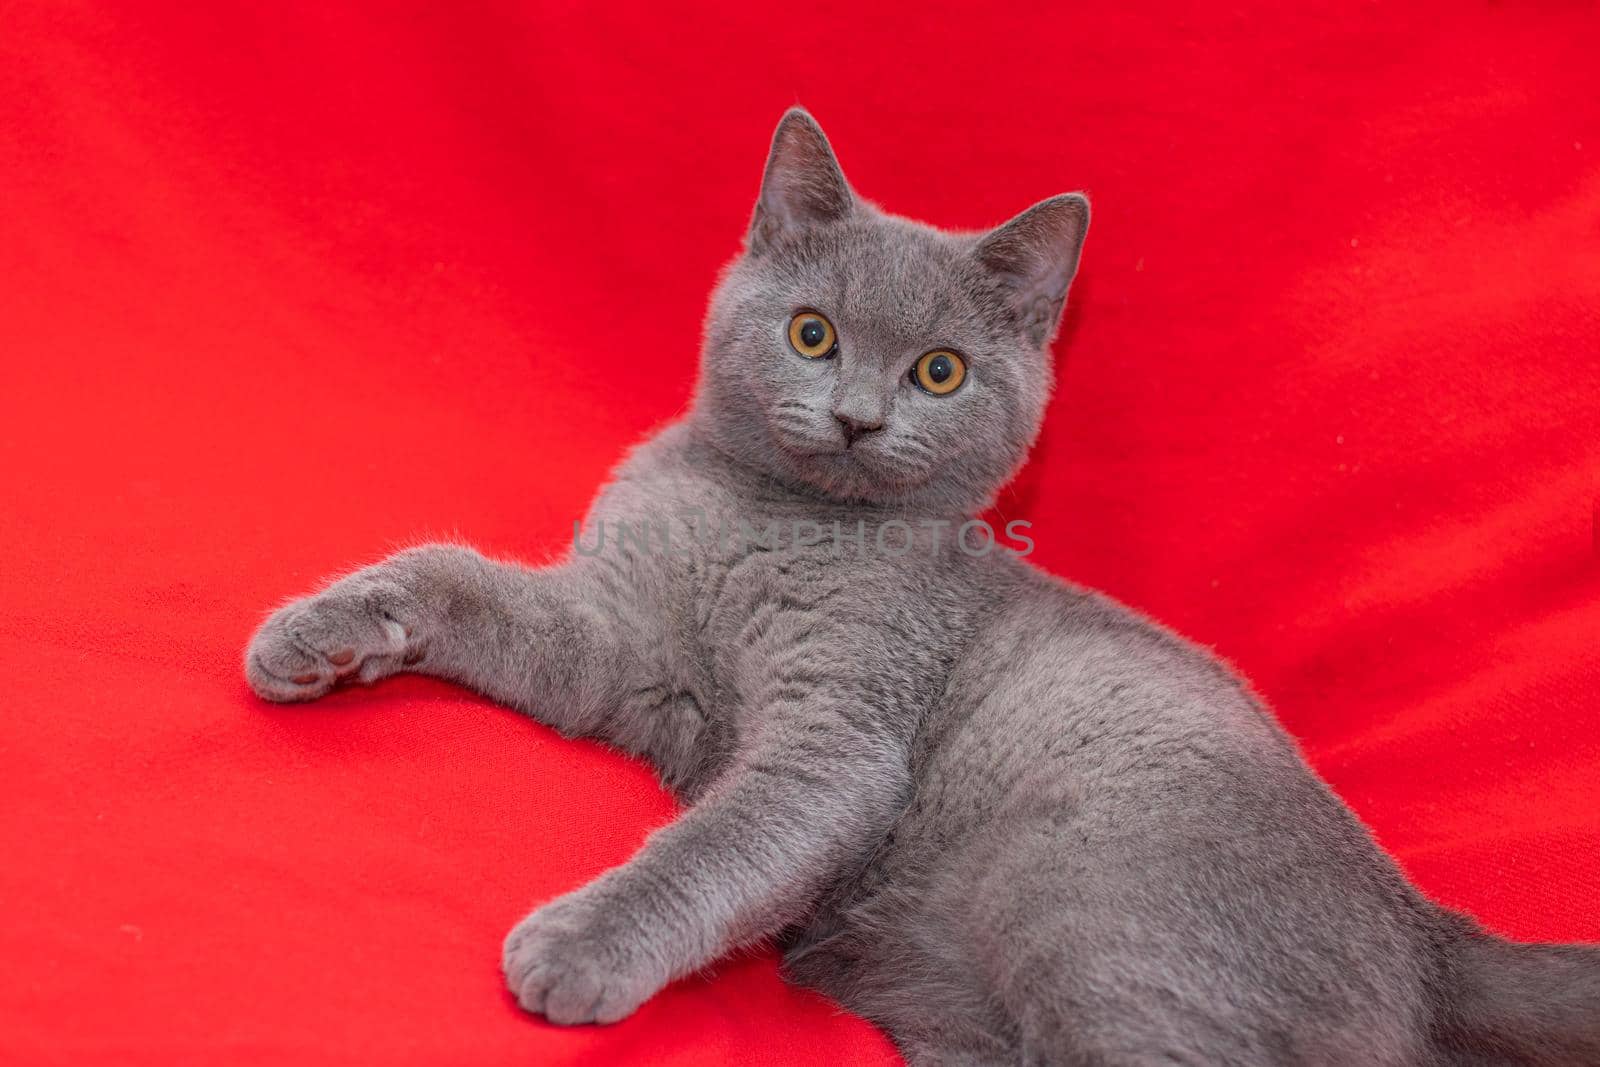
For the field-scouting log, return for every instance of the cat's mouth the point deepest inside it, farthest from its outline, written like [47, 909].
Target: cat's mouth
[859, 469]
[874, 466]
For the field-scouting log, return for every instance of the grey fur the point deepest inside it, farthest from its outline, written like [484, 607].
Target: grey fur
[1004, 817]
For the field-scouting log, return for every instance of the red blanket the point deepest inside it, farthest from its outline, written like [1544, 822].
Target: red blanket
[281, 289]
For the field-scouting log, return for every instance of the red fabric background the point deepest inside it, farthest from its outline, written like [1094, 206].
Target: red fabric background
[282, 289]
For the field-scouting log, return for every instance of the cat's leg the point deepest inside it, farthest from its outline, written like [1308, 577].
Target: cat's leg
[550, 641]
[749, 857]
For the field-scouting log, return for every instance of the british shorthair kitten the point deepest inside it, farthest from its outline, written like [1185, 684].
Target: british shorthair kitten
[1006, 818]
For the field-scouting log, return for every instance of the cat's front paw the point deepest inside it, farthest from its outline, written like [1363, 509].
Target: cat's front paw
[572, 962]
[353, 630]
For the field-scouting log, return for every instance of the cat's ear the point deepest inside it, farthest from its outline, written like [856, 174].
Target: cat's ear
[1035, 256]
[803, 185]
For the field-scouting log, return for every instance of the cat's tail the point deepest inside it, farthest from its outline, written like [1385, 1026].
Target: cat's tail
[1513, 1003]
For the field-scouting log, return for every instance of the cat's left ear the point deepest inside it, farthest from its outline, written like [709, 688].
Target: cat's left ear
[803, 185]
[1035, 256]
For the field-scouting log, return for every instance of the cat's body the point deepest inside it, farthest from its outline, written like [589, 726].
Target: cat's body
[1057, 741]
[1006, 818]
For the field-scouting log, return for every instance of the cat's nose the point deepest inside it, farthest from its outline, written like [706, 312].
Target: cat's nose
[857, 426]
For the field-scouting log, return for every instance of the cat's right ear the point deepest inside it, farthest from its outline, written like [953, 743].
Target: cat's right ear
[803, 185]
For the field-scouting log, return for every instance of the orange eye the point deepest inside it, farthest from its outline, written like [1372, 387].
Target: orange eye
[811, 335]
[939, 372]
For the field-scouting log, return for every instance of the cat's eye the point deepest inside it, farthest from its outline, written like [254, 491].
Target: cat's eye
[811, 335]
[939, 372]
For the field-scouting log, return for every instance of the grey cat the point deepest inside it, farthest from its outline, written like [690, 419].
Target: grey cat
[1007, 819]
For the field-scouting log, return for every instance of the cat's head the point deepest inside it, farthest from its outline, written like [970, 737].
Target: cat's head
[867, 357]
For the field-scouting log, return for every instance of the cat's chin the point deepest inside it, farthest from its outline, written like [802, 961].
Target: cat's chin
[855, 474]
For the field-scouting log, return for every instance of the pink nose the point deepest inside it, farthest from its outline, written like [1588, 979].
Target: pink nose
[856, 427]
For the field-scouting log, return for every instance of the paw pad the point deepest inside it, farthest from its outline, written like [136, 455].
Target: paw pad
[308, 647]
